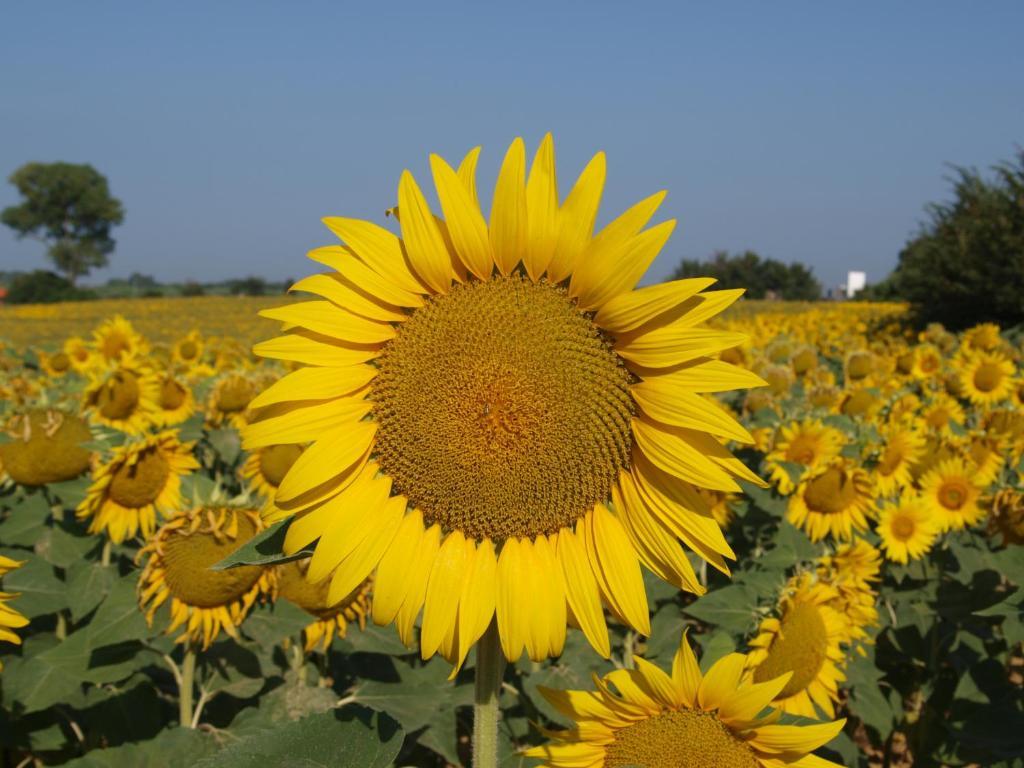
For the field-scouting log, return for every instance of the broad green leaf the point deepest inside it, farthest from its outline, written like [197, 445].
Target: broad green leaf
[732, 608]
[268, 625]
[263, 549]
[26, 518]
[172, 748]
[40, 591]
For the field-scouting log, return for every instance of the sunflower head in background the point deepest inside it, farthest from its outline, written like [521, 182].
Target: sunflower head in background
[177, 569]
[330, 619]
[45, 446]
[124, 397]
[647, 717]
[116, 339]
[140, 479]
[498, 422]
[834, 501]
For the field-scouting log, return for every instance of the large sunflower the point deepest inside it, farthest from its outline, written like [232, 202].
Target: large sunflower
[804, 640]
[646, 717]
[330, 620]
[950, 495]
[178, 560]
[140, 479]
[10, 619]
[808, 444]
[835, 501]
[477, 393]
[986, 378]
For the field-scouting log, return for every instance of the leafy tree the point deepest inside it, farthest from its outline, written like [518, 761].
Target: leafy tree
[42, 286]
[249, 286]
[966, 265]
[761, 277]
[69, 208]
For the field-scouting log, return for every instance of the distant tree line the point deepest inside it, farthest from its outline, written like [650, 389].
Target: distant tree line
[966, 264]
[763, 278]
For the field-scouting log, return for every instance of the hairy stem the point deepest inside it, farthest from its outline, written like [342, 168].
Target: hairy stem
[490, 670]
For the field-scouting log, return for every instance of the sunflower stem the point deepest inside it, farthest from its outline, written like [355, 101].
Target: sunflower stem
[490, 670]
[188, 674]
[105, 557]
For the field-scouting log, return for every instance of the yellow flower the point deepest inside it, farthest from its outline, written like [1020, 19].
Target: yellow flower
[942, 413]
[804, 640]
[265, 469]
[140, 479]
[1007, 516]
[125, 397]
[56, 364]
[202, 601]
[984, 337]
[903, 448]
[500, 424]
[853, 568]
[230, 399]
[79, 353]
[833, 501]
[645, 717]
[175, 402]
[10, 619]
[950, 495]
[188, 351]
[907, 529]
[809, 444]
[986, 379]
[45, 447]
[332, 619]
[116, 339]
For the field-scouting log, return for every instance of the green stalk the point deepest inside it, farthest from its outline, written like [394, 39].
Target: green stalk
[105, 557]
[188, 674]
[490, 670]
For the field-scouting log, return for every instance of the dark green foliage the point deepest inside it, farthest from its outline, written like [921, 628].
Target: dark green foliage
[44, 286]
[967, 264]
[68, 207]
[249, 286]
[192, 288]
[763, 278]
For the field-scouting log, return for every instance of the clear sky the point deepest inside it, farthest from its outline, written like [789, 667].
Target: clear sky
[811, 131]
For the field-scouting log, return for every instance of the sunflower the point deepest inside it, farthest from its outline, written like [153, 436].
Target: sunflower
[950, 495]
[859, 366]
[804, 640]
[983, 452]
[853, 569]
[175, 401]
[986, 378]
[833, 501]
[125, 397]
[810, 444]
[332, 619]
[55, 364]
[907, 529]
[478, 393]
[804, 360]
[188, 350]
[1007, 516]
[10, 619]
[229, 401]
[927, 362]
[647, 717]
[859, 403]
[78, 352]
[984, 337]
[718, 504]
[942, 413]
[116, 339]
[45, 447]
[178, 560]
[267, 467]
[903, 448]
[140, 479]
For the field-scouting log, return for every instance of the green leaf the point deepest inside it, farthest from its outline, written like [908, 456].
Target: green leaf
[172, 748]
[25, 521]
[731, 607]
[227, 443]
[61, 548]
[71, 493]
[715, 646]
[87, 585]
[40, 591]
[373, 639]
[350, 738]
[265, 548]
[270, 624]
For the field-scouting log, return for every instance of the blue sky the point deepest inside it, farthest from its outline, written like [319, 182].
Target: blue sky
[804, 130]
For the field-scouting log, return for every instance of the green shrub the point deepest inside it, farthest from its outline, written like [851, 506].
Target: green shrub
[43, 286]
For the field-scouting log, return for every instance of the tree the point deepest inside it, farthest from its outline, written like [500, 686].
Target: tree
[43, 286]
[761, 277]
[966, 265]
[69, 208]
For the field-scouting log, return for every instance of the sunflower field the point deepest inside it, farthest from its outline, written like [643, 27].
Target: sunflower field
[475, 508]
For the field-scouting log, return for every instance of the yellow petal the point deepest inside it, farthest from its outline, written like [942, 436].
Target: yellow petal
[316, 384]
[666, 346]
[419, 572]
[327, 458]
[328, 319]
[337, 290]
[576, 219]
[508, 210]
[511, 605]
[303, 424]
[357, 272]
[628, 311]
[423, 241]
[657, 683]
[354, 516]
[795, 738]
[467, 174]
[686, 673]
[552, 586]
[541, 210]
[672, 450]
[668, 404]
[465, 222]
[311, 349]
[392, 582]
[621, 570]
[721, 681]
[476, 605]
[354, 569]
[444, 587]
[624, 267]
[703, 375]
[379, 249]
[581, 590]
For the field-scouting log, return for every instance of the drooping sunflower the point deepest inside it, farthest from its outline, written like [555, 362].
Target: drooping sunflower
[810, 444]
[1007, 516]
[907, 529]
[115, 339]
[985, 455]
[46, 446]
[646, 717]
[902, 449]
[141, 478]
[950, 496]
[229, 400]
[124, 397]
[984, 337]
[858, 366]
[805, 639]
[835, 500]
[202, 601]
[10, 619]
[986, 378]
[175, 402]
[331, 619]
[477, 393]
